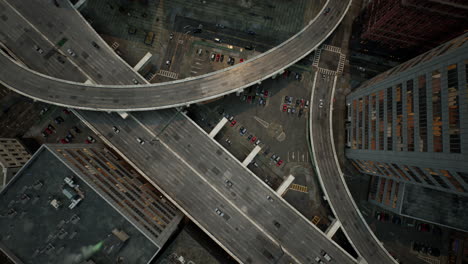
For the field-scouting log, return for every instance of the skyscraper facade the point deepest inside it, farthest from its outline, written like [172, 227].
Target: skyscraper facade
[409, 125]
[13, 156]
[386, 22]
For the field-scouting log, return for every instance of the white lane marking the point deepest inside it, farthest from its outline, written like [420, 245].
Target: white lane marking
[212, 187]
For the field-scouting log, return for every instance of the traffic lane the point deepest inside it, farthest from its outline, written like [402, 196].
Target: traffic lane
[66, 22]
[21, 39]
[187, 189]
[339, 198]
[250, 193]
[295, 52]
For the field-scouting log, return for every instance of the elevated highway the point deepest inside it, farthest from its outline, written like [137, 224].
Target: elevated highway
[332, 179]
[253, 229]
[60, 22]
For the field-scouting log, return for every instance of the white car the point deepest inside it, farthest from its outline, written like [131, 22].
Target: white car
[116, 130]
[321, 103]
[70, 51]
[219, 212]
[141, 141]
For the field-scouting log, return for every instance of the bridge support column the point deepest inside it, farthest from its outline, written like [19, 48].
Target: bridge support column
[361, 260]
[142, 63]
[79, 4]
[331, 230]
[251, 156]
[124, 115]
[218, 127]
[285, 185]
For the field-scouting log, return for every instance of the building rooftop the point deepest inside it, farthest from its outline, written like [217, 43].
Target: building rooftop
[435, 206]
[36, 232]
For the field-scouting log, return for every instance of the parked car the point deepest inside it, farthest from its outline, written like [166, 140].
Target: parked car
[423, 227]
[91, 139]
[253, 139]
[116, 130]
[279, 163]
[249, 137]
[58, 120]
[242, 131]
[285, 108]
[233, 123]
[76, 129]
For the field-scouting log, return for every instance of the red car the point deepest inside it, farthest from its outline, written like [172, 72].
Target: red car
[249, 99]
[233, 123]
[423, 227]
[87, 142]
[241, 60]
[63, 141]
[253, 139]
[217, 57]
[48, 131]
[279, 163]
[66, 111]
[285, 107]
[265, 94]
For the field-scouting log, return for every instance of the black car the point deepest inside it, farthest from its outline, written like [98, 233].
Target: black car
[95, 45]
[76, 129]
[249, 137]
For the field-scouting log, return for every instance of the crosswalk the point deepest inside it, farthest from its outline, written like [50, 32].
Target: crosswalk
[317, 57]
[168, 74]
[341, 63]
[299, 188]
[115, 45]
[331, 48]
[428, 259]
[326, 71]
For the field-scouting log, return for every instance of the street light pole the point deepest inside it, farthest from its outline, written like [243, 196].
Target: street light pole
[167, 124]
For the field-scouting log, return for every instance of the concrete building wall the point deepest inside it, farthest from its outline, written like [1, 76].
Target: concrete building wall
[13, 156]
[420, 112]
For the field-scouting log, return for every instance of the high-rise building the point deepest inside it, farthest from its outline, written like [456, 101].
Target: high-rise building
[78, 202]
[13, 156]
[421, 24]
[409, 127]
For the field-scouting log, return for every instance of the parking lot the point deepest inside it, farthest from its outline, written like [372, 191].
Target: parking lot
[281, 134]
[59, 125]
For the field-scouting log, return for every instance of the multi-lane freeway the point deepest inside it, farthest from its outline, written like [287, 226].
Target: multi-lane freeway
[253, 228]
[331, 176]
[60, 22]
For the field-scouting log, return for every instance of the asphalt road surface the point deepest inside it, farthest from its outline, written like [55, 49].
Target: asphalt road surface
[61, 22]
[332, 180]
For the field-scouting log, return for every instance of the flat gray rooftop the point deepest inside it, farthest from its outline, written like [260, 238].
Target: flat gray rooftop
[36, 232]
[435, 206]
